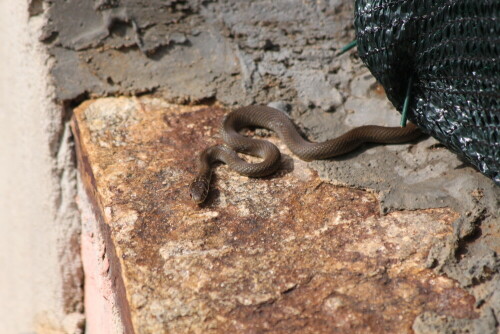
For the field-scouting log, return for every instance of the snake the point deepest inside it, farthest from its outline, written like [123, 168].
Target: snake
[280, 123]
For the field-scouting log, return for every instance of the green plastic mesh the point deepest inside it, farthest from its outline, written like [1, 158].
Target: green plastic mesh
[450, 48]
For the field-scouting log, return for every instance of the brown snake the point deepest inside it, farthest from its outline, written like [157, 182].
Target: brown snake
[279, 122]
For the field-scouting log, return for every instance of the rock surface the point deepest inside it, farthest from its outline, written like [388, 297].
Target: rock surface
[287, 253]
[242, 52]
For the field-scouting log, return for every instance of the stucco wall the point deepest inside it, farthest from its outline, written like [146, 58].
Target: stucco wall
[40, 270]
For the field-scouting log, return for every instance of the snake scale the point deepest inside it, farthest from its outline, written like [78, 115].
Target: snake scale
[279, 122]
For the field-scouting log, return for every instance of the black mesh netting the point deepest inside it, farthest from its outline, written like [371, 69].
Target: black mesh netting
[450, 49]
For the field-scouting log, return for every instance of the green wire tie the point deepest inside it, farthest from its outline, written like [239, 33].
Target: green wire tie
[404, 113]
[348, 47]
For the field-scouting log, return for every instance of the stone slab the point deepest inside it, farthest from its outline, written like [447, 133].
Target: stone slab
[287, 253]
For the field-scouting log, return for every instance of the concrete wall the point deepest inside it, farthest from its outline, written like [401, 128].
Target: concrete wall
[40, 268]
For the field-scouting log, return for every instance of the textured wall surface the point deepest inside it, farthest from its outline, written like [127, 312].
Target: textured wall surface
[40, 270]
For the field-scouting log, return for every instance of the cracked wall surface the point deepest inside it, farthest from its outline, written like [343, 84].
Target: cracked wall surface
[242, 52]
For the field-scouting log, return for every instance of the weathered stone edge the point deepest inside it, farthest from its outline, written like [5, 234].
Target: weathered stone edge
[89, 185]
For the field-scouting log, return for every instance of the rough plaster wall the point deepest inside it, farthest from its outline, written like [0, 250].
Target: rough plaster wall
[40, 269]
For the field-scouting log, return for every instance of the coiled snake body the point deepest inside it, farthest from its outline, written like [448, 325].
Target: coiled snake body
[279, 122]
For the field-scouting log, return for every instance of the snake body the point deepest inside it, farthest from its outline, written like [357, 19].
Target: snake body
[279, 122]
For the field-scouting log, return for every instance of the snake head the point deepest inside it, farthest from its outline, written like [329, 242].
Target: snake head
[198, 189]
